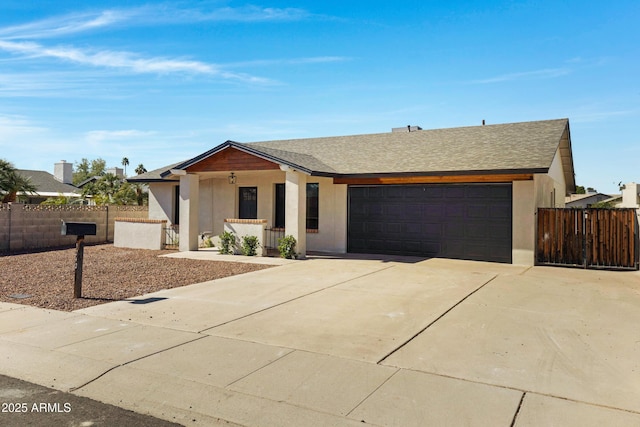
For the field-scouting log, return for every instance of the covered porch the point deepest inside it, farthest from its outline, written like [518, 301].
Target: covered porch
[235, 187]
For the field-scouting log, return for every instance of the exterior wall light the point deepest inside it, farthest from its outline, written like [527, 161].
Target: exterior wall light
[232, 178]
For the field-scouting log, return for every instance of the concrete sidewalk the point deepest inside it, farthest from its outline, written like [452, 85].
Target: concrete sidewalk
[387, 342]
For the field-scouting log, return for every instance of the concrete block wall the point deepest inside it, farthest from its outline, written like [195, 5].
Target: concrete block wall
[36, 226]
[139, 233]
[41, 225]
[247, 227]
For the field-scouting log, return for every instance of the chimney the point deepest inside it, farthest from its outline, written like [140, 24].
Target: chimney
[482, 122]
[63, 172]
[118, 172]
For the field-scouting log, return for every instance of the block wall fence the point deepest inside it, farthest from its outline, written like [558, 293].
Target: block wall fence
[24, 226]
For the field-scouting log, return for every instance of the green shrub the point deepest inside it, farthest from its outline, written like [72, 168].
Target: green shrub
[227, 243]
[287, 247]
[250, 245]
[207, 243]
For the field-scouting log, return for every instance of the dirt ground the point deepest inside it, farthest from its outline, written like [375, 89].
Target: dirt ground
[45, 279]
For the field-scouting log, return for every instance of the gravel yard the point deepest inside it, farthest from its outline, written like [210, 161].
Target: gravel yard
[45, 279]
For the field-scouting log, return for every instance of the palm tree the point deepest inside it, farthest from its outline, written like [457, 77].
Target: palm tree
[125, 163]
[12, 183]
[141, 169]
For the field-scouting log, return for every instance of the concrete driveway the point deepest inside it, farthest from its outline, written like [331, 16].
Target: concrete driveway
[386, 342]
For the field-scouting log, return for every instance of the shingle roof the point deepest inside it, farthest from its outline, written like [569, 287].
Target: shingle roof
[526, 146]
[514, 146]
[46, 183]
[154, 175]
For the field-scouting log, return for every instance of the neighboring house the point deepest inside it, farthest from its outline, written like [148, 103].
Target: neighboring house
[585, 200]
[630, 196]
[118, 172]
[48, 185]
[466, 193]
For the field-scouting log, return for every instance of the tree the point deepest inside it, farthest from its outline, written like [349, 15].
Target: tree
[109, 189]
[85, 170]
[141, 169]
[125, 163]
[580, 189]
[12, 183]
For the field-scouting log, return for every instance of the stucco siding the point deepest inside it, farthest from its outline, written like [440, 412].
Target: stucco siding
[523, 222]
[219, 200]
[161, 201]
[556, 173]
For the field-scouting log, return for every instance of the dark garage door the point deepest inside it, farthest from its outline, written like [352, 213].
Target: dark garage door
[471, 221]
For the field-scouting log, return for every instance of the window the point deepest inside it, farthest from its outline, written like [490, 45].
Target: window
[312, 206]
[176, 205]
[248, 203]
[280, 207]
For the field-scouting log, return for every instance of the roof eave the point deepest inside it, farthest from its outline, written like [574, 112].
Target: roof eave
[439, 173]
[240, 147]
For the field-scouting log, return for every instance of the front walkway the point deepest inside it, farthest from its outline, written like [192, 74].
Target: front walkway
[352, 342]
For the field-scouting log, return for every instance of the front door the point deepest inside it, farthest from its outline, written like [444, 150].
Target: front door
[248, 207]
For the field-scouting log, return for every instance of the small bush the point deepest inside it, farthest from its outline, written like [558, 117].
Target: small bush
[227, 242]
[287, 247]
[250, 245]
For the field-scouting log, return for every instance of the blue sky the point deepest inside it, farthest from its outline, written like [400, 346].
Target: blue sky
[160, 82]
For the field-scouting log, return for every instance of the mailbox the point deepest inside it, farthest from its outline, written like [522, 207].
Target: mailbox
[78, 228]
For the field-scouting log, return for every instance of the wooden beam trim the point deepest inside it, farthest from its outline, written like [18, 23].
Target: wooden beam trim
[440, 179]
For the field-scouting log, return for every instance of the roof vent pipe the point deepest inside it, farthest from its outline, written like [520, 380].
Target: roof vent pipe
[407, 128]
[482, 122]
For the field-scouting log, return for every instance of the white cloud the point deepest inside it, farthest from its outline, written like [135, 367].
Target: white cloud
[125, 60]
[293, 61]
[60, 26]
[145, 15]
[547, 73]
[12, 126]
[98, 136]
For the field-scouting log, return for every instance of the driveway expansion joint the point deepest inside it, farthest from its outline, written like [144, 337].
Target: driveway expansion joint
[515, 416]
[295, 299]
[438, 318]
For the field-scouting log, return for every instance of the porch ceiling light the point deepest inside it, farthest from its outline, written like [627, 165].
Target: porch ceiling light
[232, 178]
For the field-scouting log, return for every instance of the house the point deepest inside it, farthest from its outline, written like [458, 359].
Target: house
[585, 200]
[48, 185]
[466, 193]
[630, 196]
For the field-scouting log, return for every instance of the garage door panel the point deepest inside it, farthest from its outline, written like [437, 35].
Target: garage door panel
[500, 210]
[393, 227]
[430, 248]
[468, 221]
[454, 230]
[433, 231]
[393, 192]
[413, 228]
[412, 246]
[374, 227]
[454, 192]
[432, 192]
[472, 231]
[454, 209]
[394, 210]
[413, 192]
[433, 211]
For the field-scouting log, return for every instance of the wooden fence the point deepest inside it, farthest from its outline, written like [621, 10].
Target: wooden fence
[589, 238]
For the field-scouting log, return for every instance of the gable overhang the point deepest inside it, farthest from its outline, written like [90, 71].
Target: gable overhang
[199, 163]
